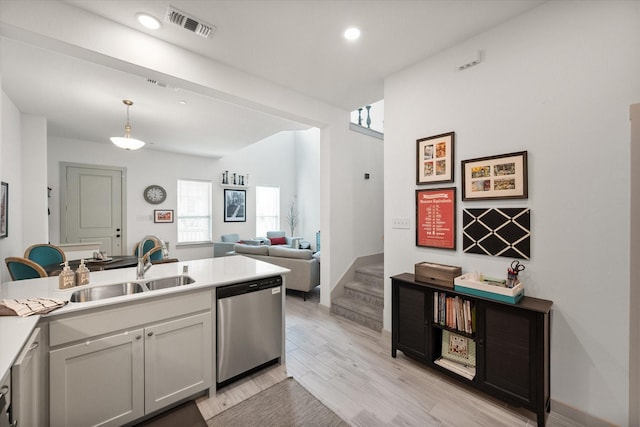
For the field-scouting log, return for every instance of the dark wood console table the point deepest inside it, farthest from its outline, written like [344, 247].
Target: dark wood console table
[517, 333]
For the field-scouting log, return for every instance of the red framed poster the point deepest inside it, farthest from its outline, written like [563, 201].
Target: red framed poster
[436, 218]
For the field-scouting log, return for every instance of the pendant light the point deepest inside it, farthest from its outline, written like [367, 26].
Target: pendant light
[126, 141]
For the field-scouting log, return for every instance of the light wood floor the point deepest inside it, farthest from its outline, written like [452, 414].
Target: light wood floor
[350, 369]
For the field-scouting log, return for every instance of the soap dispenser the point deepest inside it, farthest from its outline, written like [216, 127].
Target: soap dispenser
[66, 278]
[82, 274]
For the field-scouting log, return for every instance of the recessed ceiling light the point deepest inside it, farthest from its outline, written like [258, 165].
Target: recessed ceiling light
[352, 33]
[182, 102]
[148, 21]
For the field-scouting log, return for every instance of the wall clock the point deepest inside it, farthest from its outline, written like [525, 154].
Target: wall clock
[155, 194]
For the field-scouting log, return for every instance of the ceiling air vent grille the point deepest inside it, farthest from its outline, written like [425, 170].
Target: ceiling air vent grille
[181, 19]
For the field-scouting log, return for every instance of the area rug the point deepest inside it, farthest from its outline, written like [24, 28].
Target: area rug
[285, 404]
[185, 415]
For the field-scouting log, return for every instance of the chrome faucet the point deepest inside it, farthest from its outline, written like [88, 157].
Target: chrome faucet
[142, 266]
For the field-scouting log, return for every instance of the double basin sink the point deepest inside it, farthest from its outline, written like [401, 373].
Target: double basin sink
[128, 288]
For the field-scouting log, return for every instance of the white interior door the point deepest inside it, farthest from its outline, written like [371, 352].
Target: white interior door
[92, 206]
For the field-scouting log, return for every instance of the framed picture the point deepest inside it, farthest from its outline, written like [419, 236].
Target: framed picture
[4, 210]
[458, 348]
[163, 215]
[436, 218]
[495, 177]
[235, 206]
[434, 159]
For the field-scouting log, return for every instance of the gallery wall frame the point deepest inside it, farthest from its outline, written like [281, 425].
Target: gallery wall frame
[504, 176]
[435, 159]
[163, 215]
[4, 209]
[500, 232]
[436, 218]
[235, 205]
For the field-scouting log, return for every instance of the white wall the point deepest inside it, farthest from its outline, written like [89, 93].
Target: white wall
[34, 173]
[268, 162]
[132, 51]
[307, 160]
[10, 158]
[288, 160]
[558, 82]
[144, 167]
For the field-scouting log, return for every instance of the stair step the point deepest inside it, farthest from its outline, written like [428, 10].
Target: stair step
[366, 288]
[355, 310]
[376, 270]
[365, 293]
[372, 274]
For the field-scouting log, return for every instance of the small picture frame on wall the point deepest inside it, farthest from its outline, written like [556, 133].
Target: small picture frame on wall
[163, 215]
[434, 159]
[4, 210]
[495, 177]
[235, 206]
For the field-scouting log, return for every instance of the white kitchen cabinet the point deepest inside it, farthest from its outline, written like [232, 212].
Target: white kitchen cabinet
[5, 400]
[178, 360]
[28, 383]
[112, 366]
[98, 382]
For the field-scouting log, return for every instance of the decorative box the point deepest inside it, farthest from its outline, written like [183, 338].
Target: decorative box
[436, 274]
[467, 285]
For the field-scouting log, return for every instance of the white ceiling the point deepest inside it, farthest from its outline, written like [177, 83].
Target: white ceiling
[296, 44]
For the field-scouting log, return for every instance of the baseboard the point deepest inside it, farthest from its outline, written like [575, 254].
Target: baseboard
[386, 334]
[324, 308]
[577, 415]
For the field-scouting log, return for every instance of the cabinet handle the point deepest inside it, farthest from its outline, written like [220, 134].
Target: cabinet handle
[480, 341]
[138, 337]
[150, 334]
[34, 346]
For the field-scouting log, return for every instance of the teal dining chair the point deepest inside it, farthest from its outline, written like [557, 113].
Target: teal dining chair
[22, 268]
[45, 254]
[151, 249]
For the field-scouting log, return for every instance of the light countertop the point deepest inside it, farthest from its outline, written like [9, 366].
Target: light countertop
[207, 273]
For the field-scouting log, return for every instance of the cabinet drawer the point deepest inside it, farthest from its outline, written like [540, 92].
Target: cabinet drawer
[109, 319]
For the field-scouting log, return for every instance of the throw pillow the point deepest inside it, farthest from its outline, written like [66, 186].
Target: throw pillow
[278, 240]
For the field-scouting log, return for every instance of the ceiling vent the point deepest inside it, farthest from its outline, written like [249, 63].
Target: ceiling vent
[156, 82]
[196, 26]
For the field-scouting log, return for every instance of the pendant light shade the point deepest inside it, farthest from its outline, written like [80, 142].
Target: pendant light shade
[126, 142]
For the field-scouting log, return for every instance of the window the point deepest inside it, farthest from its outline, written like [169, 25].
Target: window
[194, 211]
[267, 210]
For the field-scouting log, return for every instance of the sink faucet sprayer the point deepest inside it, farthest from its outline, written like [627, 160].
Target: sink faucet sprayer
[142, 266]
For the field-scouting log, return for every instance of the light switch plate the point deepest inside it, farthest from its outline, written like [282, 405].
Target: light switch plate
[402, 223]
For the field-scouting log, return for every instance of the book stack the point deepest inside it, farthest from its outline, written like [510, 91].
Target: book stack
[458, 354]
[454, 312]
[469, 372]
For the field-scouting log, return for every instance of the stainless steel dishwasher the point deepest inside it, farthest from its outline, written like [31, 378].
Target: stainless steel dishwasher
[249, 327]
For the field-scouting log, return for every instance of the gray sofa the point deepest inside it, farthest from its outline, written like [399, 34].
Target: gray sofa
[225, 245]
[305, 269]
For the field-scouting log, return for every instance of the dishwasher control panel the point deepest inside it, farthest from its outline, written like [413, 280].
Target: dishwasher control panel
[246, 287]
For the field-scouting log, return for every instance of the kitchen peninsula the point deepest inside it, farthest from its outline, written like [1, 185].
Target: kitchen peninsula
[123, 358]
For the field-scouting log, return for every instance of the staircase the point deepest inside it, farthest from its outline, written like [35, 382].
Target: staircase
[363, 299]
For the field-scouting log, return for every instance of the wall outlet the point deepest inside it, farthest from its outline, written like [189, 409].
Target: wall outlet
[404, 223]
